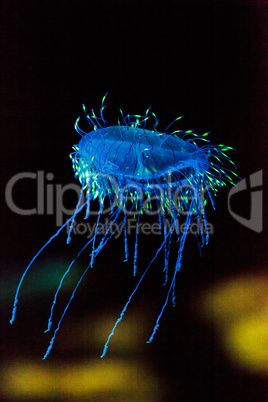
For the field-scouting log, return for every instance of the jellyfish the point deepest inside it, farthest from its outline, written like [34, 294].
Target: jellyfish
[133, 171]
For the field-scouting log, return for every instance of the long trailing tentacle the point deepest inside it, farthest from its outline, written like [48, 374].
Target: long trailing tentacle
[114, 215]
[132, 294]
[125, 236]
[173, 282]
[81, 278]
[136, 248]
[16, 299]
[74, 215]
[95, 234]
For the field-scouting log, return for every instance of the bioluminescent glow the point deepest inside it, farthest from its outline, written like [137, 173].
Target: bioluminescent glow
[137, 171]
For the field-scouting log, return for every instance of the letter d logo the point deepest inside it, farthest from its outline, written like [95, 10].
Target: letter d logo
[256, 208]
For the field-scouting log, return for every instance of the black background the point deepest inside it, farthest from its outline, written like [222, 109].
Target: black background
[203, 59]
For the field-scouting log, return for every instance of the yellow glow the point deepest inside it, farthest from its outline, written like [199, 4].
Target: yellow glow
[129, 335]
[114, 380]
[239, 309]
[91, 333]
[248, 342]
[244, 295]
